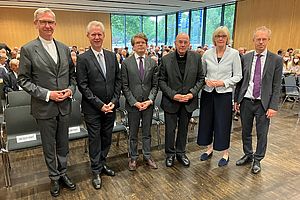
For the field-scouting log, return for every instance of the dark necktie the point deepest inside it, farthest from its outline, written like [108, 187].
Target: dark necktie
[141, 68]
[257, 77]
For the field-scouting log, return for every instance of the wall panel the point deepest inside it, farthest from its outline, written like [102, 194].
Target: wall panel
[279, 16]
[17, 27]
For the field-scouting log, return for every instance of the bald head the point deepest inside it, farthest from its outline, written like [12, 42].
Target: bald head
[182, 43]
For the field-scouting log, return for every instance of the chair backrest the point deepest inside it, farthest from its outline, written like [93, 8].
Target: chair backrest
[122, 101]
[290, 85]
[18, 98]
[158, 99]
[76, 131]
[75, 117]
[77, 95]
[21, 127]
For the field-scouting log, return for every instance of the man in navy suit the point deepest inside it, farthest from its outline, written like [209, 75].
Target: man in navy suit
[257, 96]
[10, 79]
[99, 81]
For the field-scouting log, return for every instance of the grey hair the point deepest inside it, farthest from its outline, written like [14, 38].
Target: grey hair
[263, 29]
[41, 11]
[13, 62]
[94, 23]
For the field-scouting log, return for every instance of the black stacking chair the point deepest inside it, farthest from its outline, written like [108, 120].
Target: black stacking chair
[18, 98]
[22, 133]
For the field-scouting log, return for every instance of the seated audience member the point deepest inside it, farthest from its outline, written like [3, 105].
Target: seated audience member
[127, 52]
[3, 64]
[13, 54]
[200, 50]
[290, 51]
[81, 50]
[286, 63]
[10, 79]
[74, 57]
[242, 51]
[280, 52]
[74, 49]
[295, 65]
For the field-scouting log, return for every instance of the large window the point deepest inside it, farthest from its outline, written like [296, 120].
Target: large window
[213, 21]
[117, 30]
[161, 30]
[229, 17]
[133, 26]
[183, 22]
[149, 28]
[196, 28]
[171, 29]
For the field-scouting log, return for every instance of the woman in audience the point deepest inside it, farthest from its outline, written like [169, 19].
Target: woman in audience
[222, 68]
[286, 63]
[295, 66]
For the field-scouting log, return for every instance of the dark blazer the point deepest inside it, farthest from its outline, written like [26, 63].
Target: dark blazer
[271, 80]
[171, 82]
[135, 89]
[39, 74]
[95, 88]
[10, 82]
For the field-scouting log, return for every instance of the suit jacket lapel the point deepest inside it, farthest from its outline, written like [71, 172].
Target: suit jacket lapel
[42, 52]
[248, 65]
[96, 63]
[175, 64]
[267, 63]
[134, 66]
[60, 55]
[147, 67]
[188, 64]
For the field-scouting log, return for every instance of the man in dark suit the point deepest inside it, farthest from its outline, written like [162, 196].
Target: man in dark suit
[257, 96]
[99, 81]
[180, 79]
[48, 75]
[10, 79]
[139, 84]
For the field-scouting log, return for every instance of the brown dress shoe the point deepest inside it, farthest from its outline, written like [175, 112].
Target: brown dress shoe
[132, 165]
[151, 163]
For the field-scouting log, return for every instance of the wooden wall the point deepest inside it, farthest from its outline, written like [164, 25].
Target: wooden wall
[282, 17]
[17, 27]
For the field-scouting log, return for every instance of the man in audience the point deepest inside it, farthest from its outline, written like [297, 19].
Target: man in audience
[3, 63]
[99, 81]
[47, 73]
[10, 79]
[257, 96]
[180, 79]
[140, 89]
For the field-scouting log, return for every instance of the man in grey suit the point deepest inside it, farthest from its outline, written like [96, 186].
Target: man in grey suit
[48, 75]
[180, 79]
[99, 81]
[257, 96]
[139, 84]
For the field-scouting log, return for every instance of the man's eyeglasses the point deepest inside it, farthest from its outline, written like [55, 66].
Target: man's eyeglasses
[44, 22]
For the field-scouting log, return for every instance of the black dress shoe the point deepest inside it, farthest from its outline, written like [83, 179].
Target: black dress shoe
[183, 159]
[170, 161]
[205, 156]
[67, 182]
[96, 181]
[54, 188]
[244, 160]
[256, 167]
[109, 172]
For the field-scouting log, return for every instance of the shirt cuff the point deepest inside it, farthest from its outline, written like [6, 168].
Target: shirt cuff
[48, 96]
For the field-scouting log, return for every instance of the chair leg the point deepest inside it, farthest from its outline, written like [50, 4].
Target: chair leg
[118, 139]
[85, 146]
[6, 166]
[283, 101]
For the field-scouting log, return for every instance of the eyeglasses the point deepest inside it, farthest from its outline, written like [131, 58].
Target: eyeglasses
[44, 22]
[220, 36]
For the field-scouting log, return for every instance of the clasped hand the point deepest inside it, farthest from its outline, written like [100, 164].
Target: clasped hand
[107, 108]
[60, 95]
[142, 105]
[183, 97]
[214, 83]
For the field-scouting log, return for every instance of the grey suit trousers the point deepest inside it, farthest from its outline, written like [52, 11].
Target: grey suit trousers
[251, 109]
[55, 142]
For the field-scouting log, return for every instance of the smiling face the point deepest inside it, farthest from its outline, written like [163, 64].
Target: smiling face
[220, 39]
[45, 23]
[96, 37]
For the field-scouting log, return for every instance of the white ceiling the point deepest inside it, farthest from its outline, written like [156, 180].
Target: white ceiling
[131, 7]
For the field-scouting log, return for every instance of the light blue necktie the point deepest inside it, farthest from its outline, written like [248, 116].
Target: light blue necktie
[102, 65]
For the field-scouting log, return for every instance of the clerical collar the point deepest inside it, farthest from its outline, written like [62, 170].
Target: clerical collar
[180, 57]
[45, 41]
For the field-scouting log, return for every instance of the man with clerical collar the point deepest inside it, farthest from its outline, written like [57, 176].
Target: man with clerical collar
[47, 73]
[180, 79]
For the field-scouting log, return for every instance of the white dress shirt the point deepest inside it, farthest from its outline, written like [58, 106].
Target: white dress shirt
[50, 48]
[101, 55]
[249, 93]
[137, 59]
